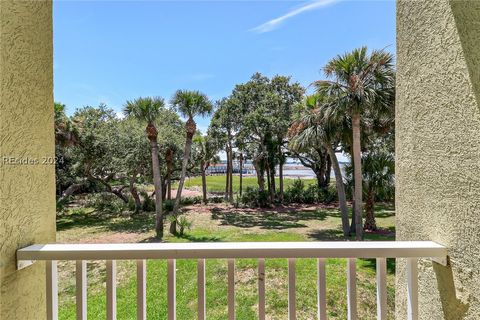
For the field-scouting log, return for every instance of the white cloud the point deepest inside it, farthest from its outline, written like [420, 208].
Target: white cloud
[275, 23]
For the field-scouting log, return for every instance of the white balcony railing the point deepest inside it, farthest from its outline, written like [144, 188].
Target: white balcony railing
[411, 250]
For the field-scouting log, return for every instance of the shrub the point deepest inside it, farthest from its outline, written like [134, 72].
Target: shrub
[215, 199]
[62, 204]
[148, 204]
[329, 195]
[294, 193]
[191, 200]
[168, 205]
[78, 211]
[183, 223]
[253, 197]
[106, 202]
[311, 195]
[131, 204]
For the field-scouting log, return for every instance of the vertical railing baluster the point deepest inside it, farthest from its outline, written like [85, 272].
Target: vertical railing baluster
[171, 295]
[231, 289]
[261, 289]
[351, 289]
[412, 287]
[202, 301]
[141, 289]
[111, 289]
[381, 288]
[52, 290]
[322, 290]
[81, 289]
[292, 309]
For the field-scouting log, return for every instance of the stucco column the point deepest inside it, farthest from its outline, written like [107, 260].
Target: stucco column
[27, 177]
[438, 151]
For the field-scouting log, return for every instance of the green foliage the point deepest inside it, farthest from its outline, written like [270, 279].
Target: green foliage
[168, 205]
[294, 193]
[191, 200]
[253, 197]
[144, 109]
[106, 203]
[78, 211]
[183, 223]
[148, 204]
[191, 103]
[62, 204]
[298, 192]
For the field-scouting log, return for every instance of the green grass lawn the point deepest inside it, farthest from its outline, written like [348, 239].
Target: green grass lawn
[223, 223]
[217, 183]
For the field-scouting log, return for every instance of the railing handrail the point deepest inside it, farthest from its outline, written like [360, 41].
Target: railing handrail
[234, 250]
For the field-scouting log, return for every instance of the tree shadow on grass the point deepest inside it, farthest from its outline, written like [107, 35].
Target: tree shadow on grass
[271, 219]
[193, 238]
[326, 235]
[140, 223]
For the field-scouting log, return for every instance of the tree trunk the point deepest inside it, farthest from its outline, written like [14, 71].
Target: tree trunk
[320, 175]
[190, 128]
[328, 170]
[227, 176]
[169, 160]
[357, 168]
[134, 193]
[158, 189]
[370, 223]
[72, 189]
[169, 186]
[230, 181]
[240, 187]
[352, 224]
[260, 175]
[280, 172]
[342, 198]
[269, 183]
[204, 182]
[272, 181]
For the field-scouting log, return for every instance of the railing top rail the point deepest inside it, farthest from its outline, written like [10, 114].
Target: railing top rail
[225, 250]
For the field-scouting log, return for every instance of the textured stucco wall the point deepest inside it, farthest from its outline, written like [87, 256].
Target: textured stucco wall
[438, 151]
[27, 191]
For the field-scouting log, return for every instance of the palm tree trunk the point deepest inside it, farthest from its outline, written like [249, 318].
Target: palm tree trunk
[342, 198]
[328, 171]
[158, 189]
[186, 157]
[204, 182]
[241, 174]
[370, 223]
[357, 168]
[169, 186]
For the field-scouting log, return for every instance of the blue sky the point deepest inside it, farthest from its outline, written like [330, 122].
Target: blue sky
[114, 51]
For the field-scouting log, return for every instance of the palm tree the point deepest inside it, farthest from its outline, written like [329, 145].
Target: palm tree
[148, 110]
[189, 104]
[378, 177]
[314, 127]
[205, 152]
[361, 82]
